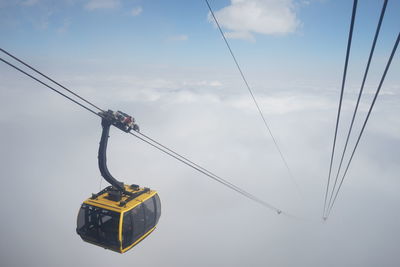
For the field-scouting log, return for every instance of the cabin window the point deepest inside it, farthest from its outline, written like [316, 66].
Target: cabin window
[133, 225]
[138, 222]
[99, 226]
[127, 237]
[150, 213]
[158, 207]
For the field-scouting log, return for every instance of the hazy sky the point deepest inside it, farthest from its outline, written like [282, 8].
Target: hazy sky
[165, 63]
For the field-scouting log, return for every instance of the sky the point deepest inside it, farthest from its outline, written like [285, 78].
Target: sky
[165, 63]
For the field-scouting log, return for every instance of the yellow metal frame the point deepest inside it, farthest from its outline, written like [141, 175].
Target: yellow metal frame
[104, 203]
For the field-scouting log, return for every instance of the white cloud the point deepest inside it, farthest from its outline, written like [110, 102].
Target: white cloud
[136, 11]
[245, 17]
[42, 22]
[102, 4]
[202, 83]
[65, 26]
[215, 83]
[240, 35]
[180, 37]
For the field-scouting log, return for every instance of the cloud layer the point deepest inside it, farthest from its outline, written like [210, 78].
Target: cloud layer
[49, 143]
[136, 11]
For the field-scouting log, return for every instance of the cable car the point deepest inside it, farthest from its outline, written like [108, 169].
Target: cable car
[119, 216]
[119, 225]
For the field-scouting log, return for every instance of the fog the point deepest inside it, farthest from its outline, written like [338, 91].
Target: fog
[49, 166]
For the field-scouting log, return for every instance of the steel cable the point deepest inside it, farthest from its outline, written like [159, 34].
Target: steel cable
[48, 78]
[253, 97]
[353, 15]
[359, 96]
[205, 171]
[48, 86]
[366, 119]
[153, 143]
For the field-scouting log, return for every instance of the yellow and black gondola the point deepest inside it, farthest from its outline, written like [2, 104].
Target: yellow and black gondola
[119, 216]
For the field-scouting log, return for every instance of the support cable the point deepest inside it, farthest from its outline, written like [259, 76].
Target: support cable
[252, 96]
[359, 96]
[200, 169]
[154, 143]
[48, 86]
[353, 15]
[204, 171]
[366, 120]
[48, 78]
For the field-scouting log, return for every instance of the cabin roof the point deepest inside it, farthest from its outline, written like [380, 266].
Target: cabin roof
[101, 199]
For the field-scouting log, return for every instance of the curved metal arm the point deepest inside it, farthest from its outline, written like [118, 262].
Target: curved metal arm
[103, 157]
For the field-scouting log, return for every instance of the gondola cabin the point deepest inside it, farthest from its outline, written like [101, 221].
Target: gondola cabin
[118, 221]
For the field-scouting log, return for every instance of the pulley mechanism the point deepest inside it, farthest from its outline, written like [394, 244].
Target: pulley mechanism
[125, 123]
[120, 120]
